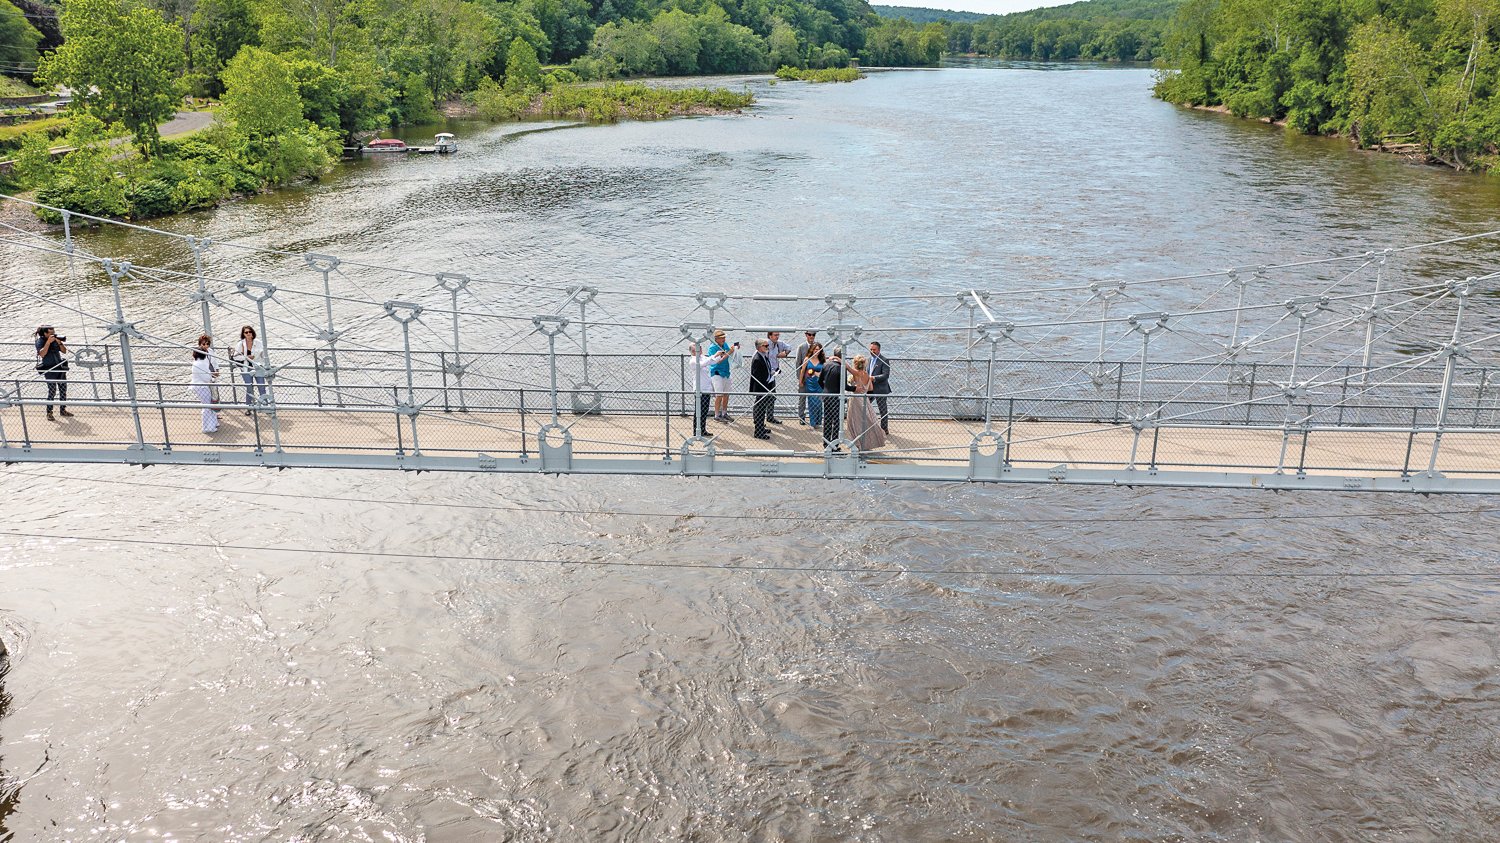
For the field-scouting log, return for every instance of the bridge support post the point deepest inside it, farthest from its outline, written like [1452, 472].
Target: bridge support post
[1370, 315]
[841, 334]
[1460, 290]
[992, 332]
[1303, 307]
[126, 331]
[406, 313]
[697, 334]
[260, 292]
[455, 284]
[1144, 324]
[327, 264]
[586, 397]
[1105, 293]
[202, 295]
[551, 327]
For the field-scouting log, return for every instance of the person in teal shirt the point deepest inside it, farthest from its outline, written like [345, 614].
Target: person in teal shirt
[718, 374]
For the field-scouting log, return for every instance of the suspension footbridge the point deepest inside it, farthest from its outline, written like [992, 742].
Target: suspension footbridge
[1369, 371]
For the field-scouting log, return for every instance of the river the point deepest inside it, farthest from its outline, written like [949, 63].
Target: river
[1023, 664]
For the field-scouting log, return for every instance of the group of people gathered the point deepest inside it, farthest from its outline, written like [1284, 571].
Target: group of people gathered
[833, 395]
[248, 352]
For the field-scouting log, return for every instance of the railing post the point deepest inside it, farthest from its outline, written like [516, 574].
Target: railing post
[454, 284]
[260, 292]
[126, 331]
[166, 435]
[406, 313]
[1460, 290]
[1484, 374]
[525, 449]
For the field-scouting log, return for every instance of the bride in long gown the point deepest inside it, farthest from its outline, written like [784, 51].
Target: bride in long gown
[863, 421]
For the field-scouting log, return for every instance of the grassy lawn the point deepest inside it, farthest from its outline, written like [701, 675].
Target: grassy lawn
[16, 88]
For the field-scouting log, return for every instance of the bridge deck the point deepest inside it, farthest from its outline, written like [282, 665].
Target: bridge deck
[1363, 452]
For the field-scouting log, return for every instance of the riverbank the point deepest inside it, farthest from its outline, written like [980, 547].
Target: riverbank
[1411, 152]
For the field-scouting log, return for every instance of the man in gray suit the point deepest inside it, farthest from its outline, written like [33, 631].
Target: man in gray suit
[880, 384]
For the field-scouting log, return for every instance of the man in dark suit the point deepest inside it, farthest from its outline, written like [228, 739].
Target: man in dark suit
[880, 384]
[832, 380]
[762, 387]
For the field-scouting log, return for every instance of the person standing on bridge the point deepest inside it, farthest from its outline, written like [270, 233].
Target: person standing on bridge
[202, 385]
[50, 349]
[762, 386]
[719, 374]
[777, 349]
[812, 384]
[251, 352]
[832, 381]
[880, 385]
[803, 350]
[703, 367]
[864, 423]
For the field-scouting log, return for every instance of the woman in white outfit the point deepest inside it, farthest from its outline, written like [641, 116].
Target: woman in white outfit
[250, 352]
[202, 384]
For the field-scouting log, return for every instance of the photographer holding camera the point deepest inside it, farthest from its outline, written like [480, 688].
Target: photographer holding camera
[50, 349]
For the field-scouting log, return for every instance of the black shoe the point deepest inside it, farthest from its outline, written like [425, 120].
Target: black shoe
[774, 421]
[762, 436]
[64, 412]
[49, 415]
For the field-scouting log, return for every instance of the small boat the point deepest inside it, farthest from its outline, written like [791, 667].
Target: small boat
[385, 145]
[446, 143]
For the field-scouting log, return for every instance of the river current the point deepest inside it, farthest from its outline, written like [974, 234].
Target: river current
[772, 660]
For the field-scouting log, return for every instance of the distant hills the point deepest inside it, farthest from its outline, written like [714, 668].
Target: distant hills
[1091, 30]
[920, 15]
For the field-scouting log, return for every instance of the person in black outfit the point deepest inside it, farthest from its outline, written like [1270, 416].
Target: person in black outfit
[49, 352]
[763, 387]
[880, 384]
[832, 380]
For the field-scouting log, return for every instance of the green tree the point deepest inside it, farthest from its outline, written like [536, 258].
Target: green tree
[18, 40]
[219, 29]
[523, 73]
[260, 94]
[123, 62]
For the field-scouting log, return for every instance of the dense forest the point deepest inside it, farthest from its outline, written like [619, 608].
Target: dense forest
[375, 60]
[917, 14]
[1095, 30]
[1411, 74]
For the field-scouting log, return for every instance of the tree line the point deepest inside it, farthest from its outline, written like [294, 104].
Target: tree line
[1410, 74]
[1093, 30]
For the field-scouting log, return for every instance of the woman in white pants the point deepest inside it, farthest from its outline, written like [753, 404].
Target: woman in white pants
[202, 384]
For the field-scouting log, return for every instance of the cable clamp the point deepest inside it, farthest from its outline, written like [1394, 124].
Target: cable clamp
[550, 326]
[126, 328]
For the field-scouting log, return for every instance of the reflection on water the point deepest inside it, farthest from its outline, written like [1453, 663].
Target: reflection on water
[1115, 669]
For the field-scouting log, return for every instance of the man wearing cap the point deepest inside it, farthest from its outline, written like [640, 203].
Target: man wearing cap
[802, 349]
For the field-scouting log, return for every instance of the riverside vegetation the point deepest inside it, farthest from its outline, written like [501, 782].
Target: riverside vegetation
[299, 78]
[1416, 76]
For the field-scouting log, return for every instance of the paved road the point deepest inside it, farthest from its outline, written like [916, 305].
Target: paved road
[185, 122]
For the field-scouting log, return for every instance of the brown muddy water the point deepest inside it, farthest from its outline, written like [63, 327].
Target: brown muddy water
[320, 655]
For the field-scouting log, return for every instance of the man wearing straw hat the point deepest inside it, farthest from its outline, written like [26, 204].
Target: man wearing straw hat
[718, 374]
